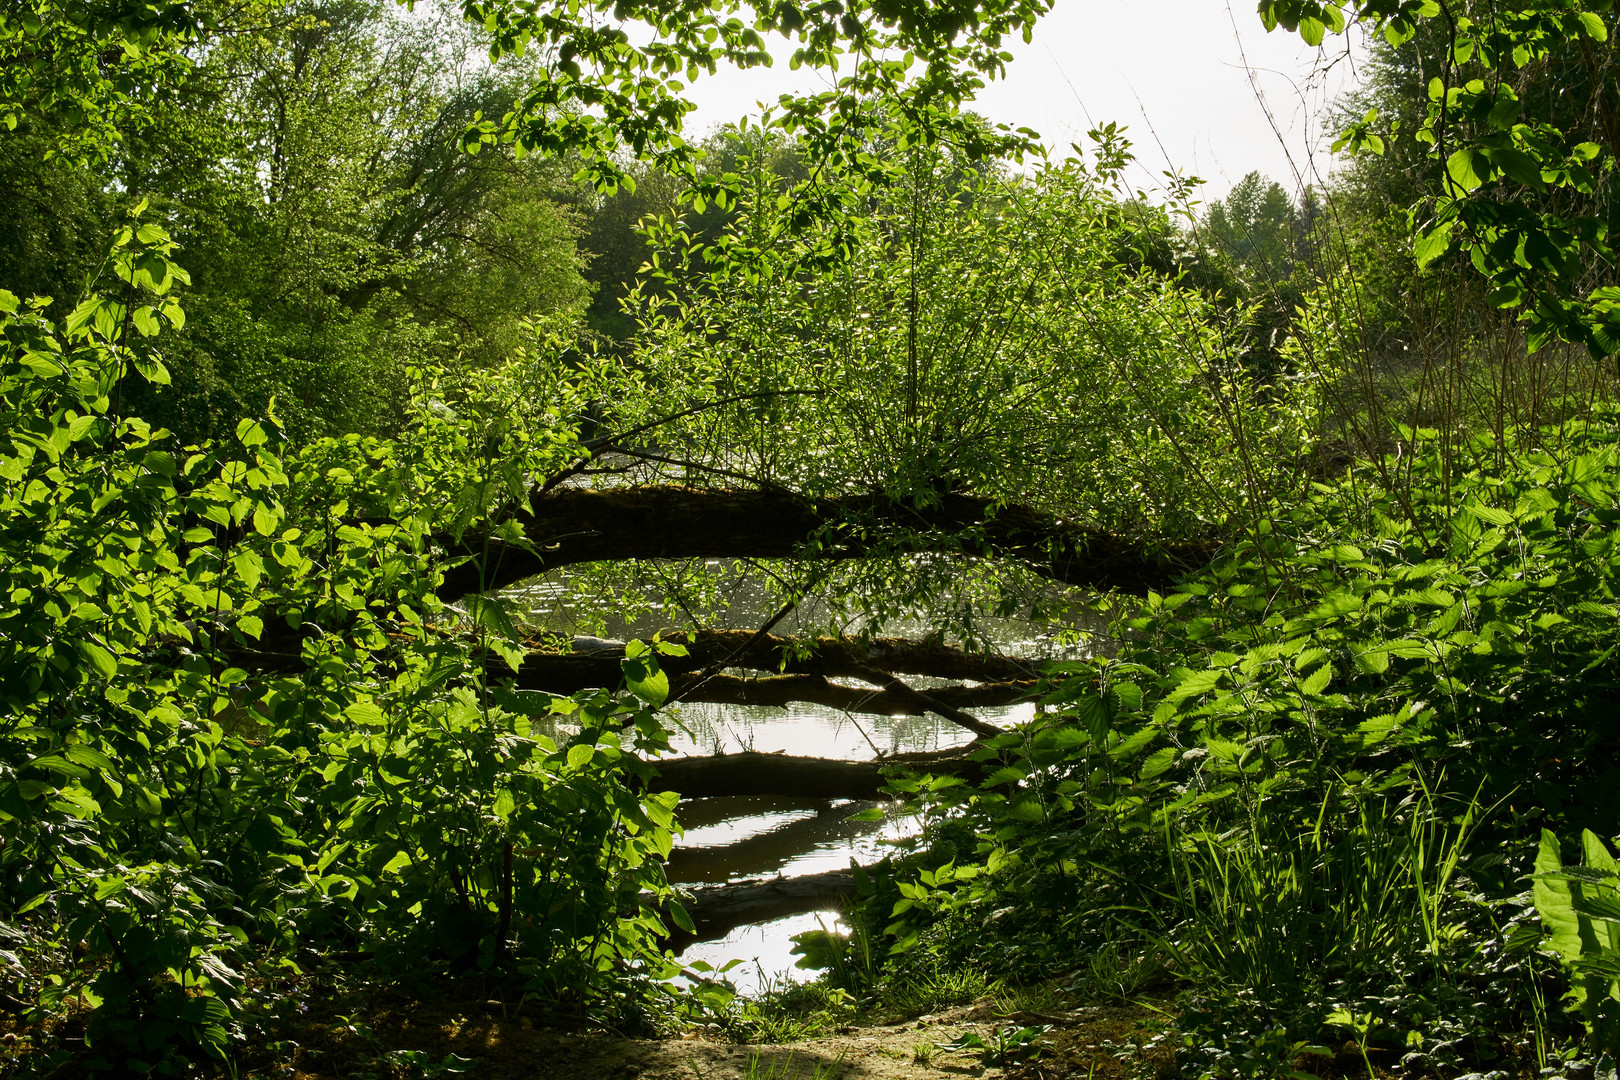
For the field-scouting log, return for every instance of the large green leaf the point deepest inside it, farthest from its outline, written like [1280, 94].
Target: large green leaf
[1555, 902]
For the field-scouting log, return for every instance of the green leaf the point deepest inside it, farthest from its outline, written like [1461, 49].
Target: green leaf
[251, 433]
[94, 759]
[490, 612]
[1158, 762]
[152, 370]
[366, 714]
[1317, 681]
[1592, 26]
[83, 314]
[1554, 901]
[580, 755]
[1432, 244]
[645, 680]
[1519, 166]
[1196, 682]
[265, 519]
[1468, 169]
[1490, 514]
[104, 662]
[60, 765]
[680, 917]
[1374, 661]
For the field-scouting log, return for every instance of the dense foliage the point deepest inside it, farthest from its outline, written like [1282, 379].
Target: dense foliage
[343, 335]
[1307, 779]
[187, 823]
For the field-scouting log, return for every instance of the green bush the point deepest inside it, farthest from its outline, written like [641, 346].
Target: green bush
[1306, 776]
[170, 821]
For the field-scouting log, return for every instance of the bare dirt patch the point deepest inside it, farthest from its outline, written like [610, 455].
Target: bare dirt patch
[408, 1041]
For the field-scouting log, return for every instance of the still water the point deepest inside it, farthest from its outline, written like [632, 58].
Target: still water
[735, 838]
[732, 839]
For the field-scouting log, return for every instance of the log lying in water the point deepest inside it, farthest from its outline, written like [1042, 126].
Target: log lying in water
[804, 671]
[718, 909]
[837, 658]
[785, 774]
[819, 690]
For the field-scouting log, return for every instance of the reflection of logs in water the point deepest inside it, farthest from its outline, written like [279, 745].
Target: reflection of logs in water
[718, 909]
[770, 851]
[698, 814]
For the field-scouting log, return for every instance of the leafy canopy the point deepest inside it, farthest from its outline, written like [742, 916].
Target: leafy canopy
[1552, 261]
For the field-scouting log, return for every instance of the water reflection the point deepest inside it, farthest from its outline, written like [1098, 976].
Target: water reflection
[817, 731]
[765, 949]
[737, 601]
[761, 845]
[732, 838]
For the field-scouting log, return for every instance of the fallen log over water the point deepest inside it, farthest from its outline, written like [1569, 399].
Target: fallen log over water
[846, 657]
[566, 526]
[718, 909]
[806, 668]
[819, 690]
[752, 773]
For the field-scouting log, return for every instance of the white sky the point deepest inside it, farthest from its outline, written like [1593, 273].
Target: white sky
[1175, 73]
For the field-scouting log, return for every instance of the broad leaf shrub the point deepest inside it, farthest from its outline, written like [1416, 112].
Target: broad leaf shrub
[1306, 783]
[1580, 907]
[238, 730]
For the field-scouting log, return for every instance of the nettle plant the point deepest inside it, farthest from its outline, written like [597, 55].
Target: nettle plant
[236, 721]
[1317, 755]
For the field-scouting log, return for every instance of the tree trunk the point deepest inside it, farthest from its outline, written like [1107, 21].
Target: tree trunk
[566, 526]
[781, 690]
[847, 657]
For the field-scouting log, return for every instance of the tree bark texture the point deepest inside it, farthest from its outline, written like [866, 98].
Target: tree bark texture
[845, 657]
[567, 526]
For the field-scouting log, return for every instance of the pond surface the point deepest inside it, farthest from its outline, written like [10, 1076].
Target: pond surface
[735, 838]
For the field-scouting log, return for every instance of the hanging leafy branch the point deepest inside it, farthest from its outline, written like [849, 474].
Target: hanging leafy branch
[1527, 199]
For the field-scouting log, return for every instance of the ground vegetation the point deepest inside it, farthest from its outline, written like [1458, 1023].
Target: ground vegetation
[301, 370]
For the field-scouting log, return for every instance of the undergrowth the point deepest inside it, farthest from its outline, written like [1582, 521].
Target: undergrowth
[1305, 797]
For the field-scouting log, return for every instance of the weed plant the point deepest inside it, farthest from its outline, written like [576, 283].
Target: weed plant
[1310, 782]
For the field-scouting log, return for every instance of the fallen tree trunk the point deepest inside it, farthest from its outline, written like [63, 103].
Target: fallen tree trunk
[807, 666]
[718, 909]
[752, 773]
[566, 526]
[781, 690]
[846, 657]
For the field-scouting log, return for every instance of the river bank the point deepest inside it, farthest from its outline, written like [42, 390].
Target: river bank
[399, 1036]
